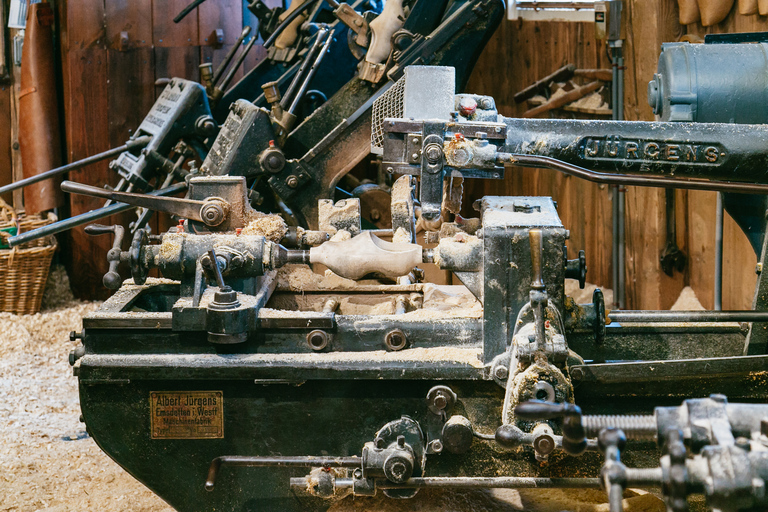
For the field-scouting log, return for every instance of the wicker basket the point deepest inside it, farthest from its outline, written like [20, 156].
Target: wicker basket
[23, 269]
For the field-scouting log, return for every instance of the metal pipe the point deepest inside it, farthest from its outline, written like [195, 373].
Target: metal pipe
[230, 54]
[84, 218]
[305, 65]
[238, 63]
[292, 462]
[622, 266]
[719, 253]
[628, 179]
[137, 143]
[311, 73]
[686, 316]
[621, 272]
[615, 242]
[503, 482]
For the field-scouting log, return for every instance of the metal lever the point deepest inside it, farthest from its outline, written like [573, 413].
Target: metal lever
[211, 212]
[574, 435]
[213, 265]
[112, 279]
[137, 143]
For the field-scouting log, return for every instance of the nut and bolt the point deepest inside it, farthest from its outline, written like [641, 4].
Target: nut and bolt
[292, 181]
[501, 372]
[434, 153]
[436, 446]
[577, 374]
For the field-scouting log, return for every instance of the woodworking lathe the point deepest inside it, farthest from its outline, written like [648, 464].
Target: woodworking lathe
[247, 365]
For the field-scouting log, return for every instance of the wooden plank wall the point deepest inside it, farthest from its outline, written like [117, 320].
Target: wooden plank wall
[522, 52]
[109, 85]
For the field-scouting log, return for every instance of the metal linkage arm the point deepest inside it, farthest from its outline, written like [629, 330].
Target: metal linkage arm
[211, 212]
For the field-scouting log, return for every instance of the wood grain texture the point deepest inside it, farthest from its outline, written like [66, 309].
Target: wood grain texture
[87, 134]
[131, 16]
[178, 62]
[225, 14]
[165, 32]
[85, 24]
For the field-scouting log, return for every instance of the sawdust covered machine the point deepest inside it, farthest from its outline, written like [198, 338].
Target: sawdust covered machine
[242, 380]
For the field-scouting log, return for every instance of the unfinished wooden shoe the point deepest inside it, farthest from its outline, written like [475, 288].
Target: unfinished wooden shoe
[714, 11]
[762, 6]
[747, 7]
[689, 11]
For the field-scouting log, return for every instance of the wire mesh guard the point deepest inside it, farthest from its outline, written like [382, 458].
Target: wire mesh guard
[388, 105]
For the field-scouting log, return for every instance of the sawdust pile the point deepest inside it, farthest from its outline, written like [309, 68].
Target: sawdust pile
[502, 500]
[300, 277]
[269, 225]
[687, 301]
[47, 462]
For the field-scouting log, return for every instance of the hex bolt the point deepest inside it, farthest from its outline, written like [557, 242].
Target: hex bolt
[317, 340]
[434, 153]
[501, 372]
[577, 374]
[292, 181]
[436, 446]
[74, 335]
[396, 340]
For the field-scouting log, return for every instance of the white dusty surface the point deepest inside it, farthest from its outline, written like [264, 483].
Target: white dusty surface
[48, 463]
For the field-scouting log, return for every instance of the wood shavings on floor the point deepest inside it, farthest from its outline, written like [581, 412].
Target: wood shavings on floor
[47, 462]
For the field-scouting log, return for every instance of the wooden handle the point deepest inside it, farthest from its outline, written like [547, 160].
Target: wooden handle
[606, 75]
[564, 99]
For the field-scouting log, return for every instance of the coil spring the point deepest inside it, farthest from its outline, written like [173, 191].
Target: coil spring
[637, 428]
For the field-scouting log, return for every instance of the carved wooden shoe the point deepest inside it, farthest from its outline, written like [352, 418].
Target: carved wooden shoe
[747, 7]
[714, 11]
[689, 11]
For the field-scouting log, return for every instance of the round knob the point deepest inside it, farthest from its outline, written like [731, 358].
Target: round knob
[213, 213]
[467, 106]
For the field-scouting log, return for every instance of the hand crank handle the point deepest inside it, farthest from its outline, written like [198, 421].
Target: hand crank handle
[211, 212]
[112, 279]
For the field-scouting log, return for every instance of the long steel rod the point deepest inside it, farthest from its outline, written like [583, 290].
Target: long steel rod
[315, 65]
[508, 482]
[137, 143]
[628, 179]
[87, 217]
[279, 461]
[688, 316]
[619, 85]
[502, 482]
[719, 253]
[230, 54]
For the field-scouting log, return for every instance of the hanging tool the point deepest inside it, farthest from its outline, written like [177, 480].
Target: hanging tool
[672, 258]
[39, 111]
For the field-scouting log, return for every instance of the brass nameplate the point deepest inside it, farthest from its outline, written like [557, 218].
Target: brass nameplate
[187, 414]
